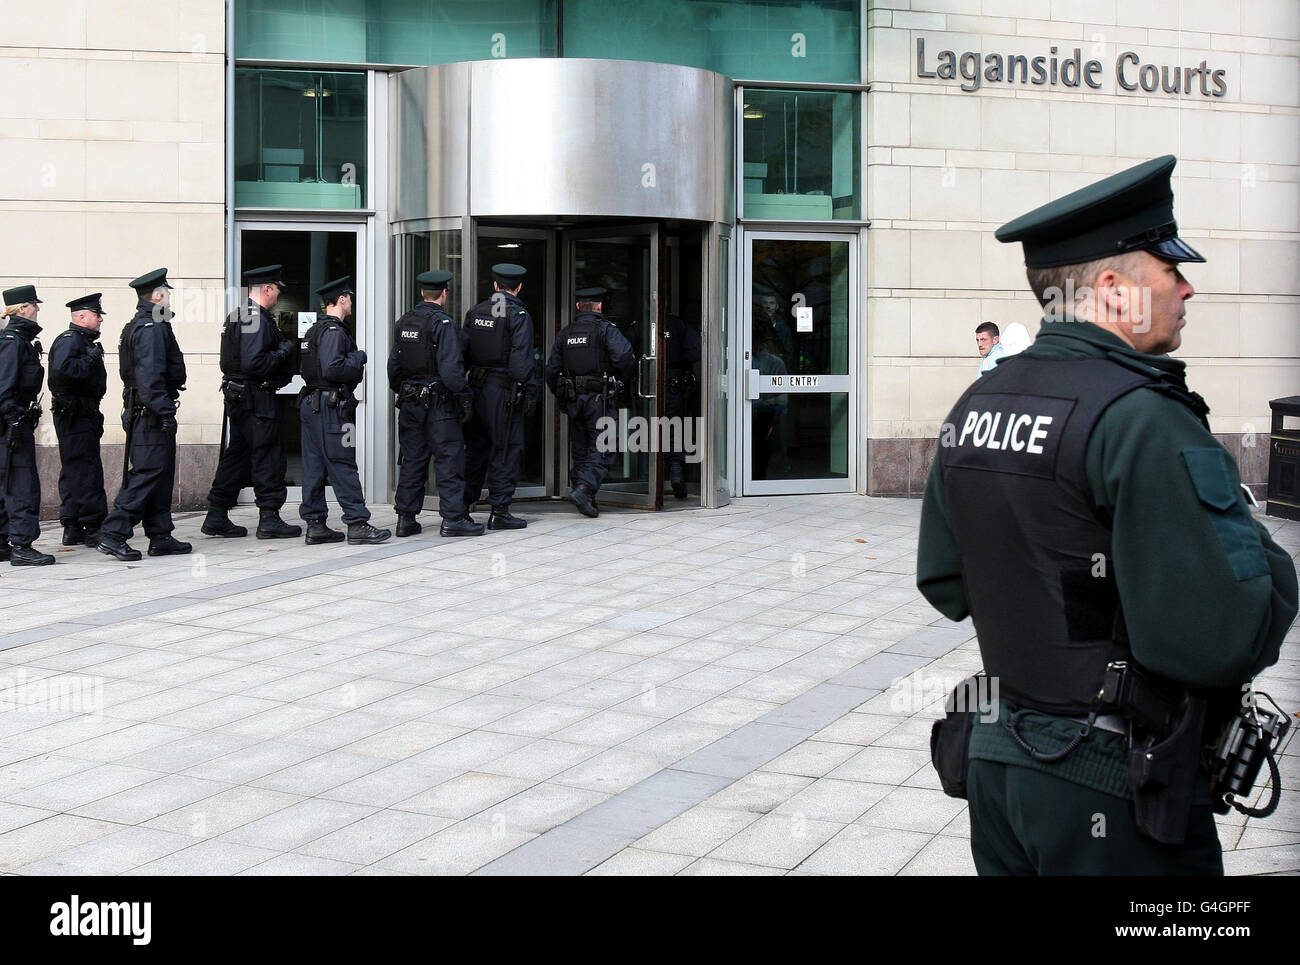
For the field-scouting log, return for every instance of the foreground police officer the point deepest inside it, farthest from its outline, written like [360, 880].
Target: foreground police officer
[681, 356]
[255, 361]
[332, 368]
[427, 374]
[21, 374]
[153, 376]
[1081, 512]
[78, 382]
[497, 342]
[588, 360]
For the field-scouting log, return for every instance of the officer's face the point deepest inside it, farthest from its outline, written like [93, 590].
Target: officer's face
[345, 306]
[85, 318]
[1158, 317]
[29, 310]
[270, 295]
[985, 342]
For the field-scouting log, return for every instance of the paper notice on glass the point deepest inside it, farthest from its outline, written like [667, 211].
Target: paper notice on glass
[803, 319]
[305, 321]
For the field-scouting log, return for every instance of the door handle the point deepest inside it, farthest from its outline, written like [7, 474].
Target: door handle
[752, 383]
[647, 375]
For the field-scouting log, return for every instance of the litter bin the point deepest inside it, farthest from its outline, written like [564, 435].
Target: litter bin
[1284, 460]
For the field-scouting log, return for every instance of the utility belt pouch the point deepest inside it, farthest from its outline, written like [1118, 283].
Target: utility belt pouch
[565, 390]
[950, 737]
[1131, 692]
[477, 376]
[236, 393]
[408, 392]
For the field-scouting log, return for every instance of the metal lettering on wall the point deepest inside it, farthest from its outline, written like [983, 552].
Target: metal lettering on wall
[1131, 72]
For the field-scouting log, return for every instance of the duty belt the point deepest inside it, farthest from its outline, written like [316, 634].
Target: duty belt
[479, 375]
[424, 394]
[590, 383]
[78, 404]
[261, 386]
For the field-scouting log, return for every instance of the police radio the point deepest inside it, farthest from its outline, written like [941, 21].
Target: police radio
[1250, 739]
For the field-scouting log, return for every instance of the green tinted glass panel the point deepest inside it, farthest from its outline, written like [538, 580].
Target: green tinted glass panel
[300, 139]
[750, 39]
[394, 31]
[801, 155]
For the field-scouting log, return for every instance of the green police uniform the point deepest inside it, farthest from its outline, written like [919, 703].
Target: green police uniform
[1206, 595]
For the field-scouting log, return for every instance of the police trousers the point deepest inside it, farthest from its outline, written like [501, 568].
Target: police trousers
[82, 501]
[589, 461]
[493, 446]
[329, 457]
[20, 487]
[1027, 822]
[146, 493]
[430, 433]
[254, 454]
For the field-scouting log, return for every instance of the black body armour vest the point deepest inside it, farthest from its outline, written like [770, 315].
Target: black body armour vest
[232, 356]
[417, 344]
[94, 387]
[31, 374]
[309, 353]
[583, 349]
[489, 334]
[1036, 560]
[174, 371]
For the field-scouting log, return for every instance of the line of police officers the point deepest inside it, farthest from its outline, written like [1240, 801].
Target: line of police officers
[462, 396]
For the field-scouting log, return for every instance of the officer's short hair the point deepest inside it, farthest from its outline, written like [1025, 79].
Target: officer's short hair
[588, 306]
[1051, 285]
[330, 300]
[990, 327]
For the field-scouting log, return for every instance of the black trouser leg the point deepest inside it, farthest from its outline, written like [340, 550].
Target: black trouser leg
[413, 474]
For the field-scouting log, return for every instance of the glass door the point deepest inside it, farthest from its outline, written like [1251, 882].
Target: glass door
[534, 249]
[800, 343]
[625, 260]
[311, 254]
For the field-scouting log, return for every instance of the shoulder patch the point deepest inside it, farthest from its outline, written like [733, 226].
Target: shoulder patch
[1214, 477]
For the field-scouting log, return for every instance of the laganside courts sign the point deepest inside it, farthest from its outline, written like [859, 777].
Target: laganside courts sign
[1130, 71]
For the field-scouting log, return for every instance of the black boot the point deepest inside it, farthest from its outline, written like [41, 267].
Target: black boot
[408, 526]
[318, 532]
[217, 523]
[271, 526]
[166, 545]
[116, 547]
[26, 556]
[92, 537]
[677, 479]
[581, 497]
[365, 533]
[4, 551]
[465, 526]
[501, 519]
[73, 534]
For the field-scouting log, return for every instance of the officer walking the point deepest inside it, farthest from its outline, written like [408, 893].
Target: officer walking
[681, 356]
[332, 368]
[21, 375]
[589, 359]
[255, 361]
[497, 343]
[427, 374]
[1082, 472]
[78, 382]
[153, 376]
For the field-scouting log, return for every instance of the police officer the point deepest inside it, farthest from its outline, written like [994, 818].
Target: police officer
[427, 374]
[153, 376]
[21, 375]
[332, 367]
[255, 361]
[78, 382]
[681, 356]
[1081, 512]
[497, 342]
[589, 359]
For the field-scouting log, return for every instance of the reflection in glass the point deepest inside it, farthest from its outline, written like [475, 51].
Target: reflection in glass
[801, 155]
[800, 436]
[789, 275]
[300, 139]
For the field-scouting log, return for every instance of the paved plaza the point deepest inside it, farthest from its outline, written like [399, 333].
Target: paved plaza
[738, 691]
